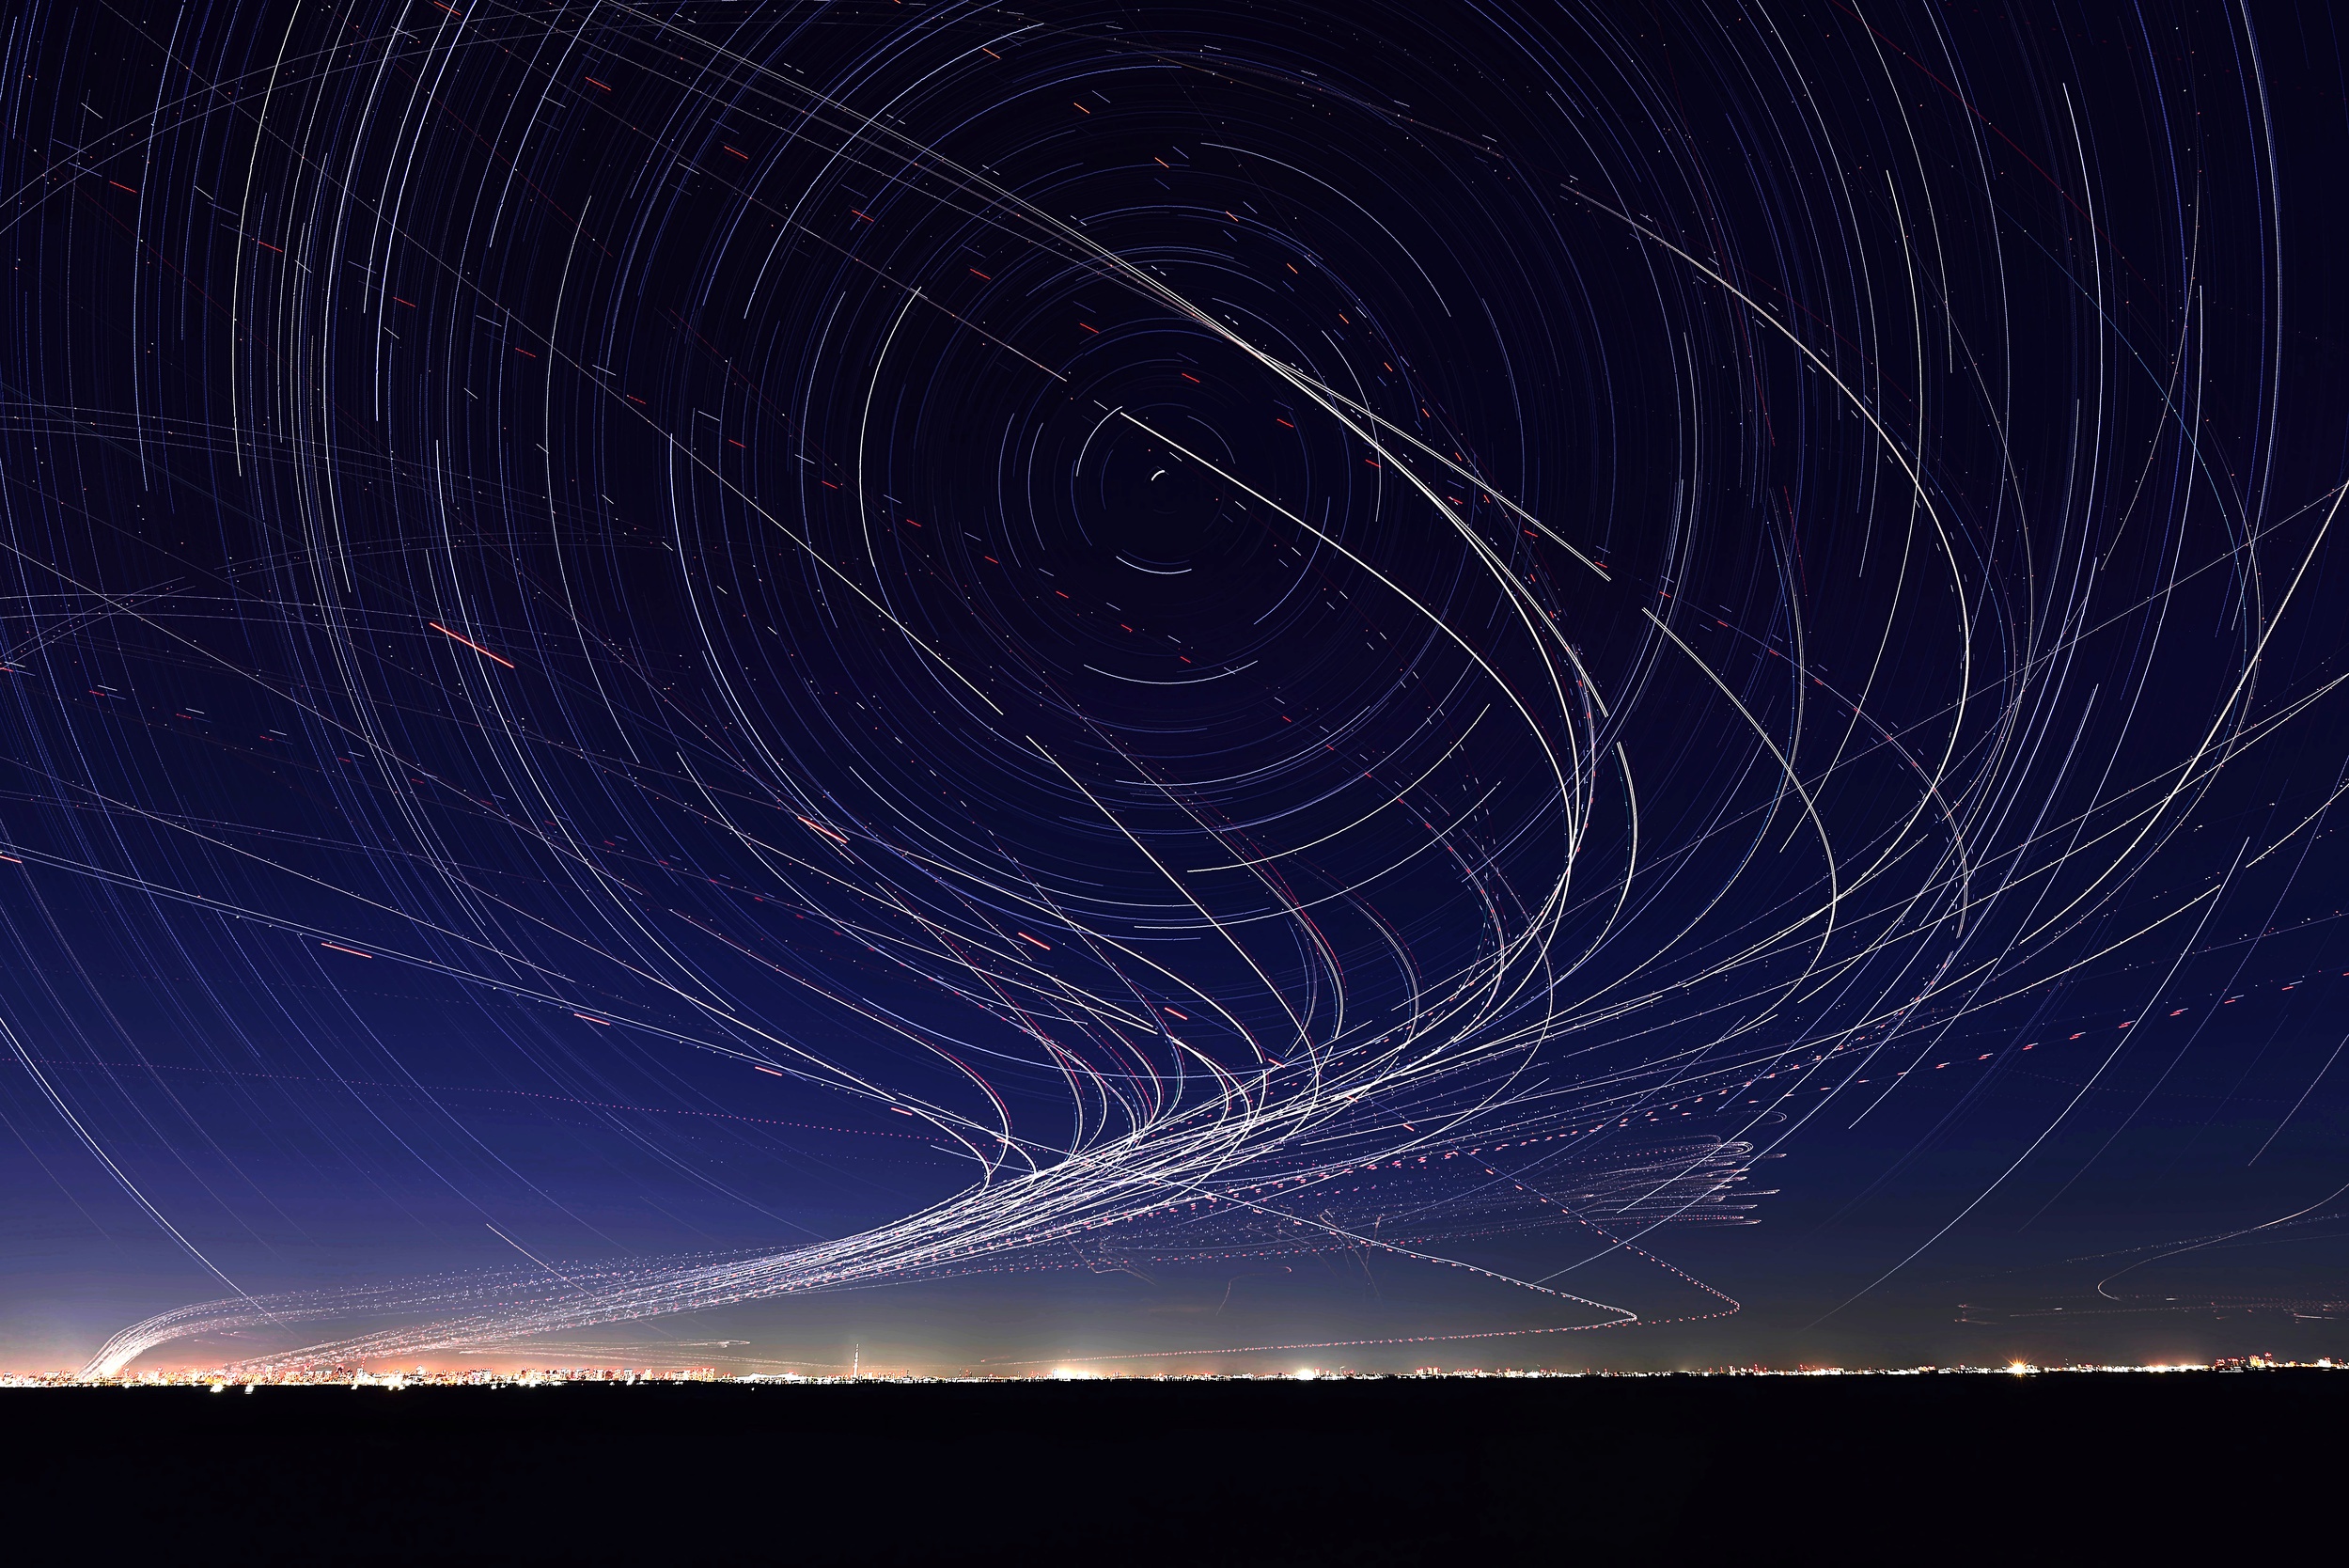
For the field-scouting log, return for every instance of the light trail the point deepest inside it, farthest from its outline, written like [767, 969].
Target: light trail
[1120, 639]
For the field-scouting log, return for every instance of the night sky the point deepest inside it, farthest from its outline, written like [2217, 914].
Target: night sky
[1159, 687]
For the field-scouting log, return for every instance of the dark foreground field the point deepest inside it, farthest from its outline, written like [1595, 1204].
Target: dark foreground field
[2058, 1468]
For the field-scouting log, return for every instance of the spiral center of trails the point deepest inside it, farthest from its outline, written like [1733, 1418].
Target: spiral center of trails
[1250, 635]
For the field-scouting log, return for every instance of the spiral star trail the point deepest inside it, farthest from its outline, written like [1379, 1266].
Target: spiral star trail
[663, 658]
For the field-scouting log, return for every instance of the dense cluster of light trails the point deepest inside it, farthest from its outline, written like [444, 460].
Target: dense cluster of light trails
[1272, 632]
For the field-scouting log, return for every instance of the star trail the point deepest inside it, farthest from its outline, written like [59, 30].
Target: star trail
[662, 658]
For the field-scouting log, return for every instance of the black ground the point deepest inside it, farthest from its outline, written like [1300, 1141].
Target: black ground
[2071, 1467]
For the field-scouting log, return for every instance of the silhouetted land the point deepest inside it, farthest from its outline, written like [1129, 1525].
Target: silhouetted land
[2069, 1467]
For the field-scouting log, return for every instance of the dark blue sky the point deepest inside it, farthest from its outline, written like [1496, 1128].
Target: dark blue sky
[1465, 687]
